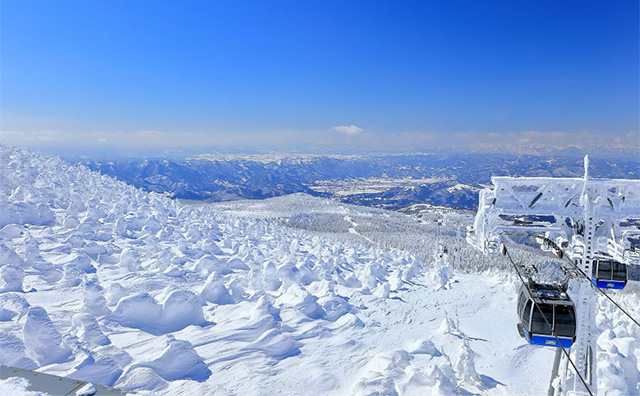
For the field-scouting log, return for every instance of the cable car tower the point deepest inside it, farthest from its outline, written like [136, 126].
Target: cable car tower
[592, 223]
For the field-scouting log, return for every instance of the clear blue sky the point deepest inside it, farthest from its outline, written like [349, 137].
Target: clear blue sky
[425, 70]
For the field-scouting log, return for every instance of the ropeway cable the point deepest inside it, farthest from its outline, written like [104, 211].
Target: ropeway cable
[604, 293]
[591, 283]
[550, 326]
[515, 266]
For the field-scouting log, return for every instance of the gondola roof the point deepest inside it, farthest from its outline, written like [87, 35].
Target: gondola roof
[542, 293]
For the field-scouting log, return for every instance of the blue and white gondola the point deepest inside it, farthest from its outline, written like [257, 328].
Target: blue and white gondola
[547, 315]
[609, 274]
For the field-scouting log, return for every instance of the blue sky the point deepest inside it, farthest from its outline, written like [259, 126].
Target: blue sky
[307, 74]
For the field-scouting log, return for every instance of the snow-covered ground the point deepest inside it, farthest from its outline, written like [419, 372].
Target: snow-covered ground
[102, 282]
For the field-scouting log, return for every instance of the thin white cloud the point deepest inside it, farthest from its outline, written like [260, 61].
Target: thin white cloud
[340, 138]
[348, 129]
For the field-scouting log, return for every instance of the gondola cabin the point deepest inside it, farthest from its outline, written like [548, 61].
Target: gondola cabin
[609, 274]
[545, 310]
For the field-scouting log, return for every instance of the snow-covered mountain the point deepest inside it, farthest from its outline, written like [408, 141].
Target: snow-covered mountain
[387, 181]
[110, 284]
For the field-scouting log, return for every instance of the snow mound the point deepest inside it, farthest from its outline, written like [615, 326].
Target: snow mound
[178, 361]
[618, 368]
[102, 369]
[180, 309]
[295, 297]
[86, 328]
[274, 344]
[13, 352]
[11, 278]
[12, 306]
[215, 291]
[42, 340]
[442, 364]
[425, 347]
[399, 372]
[94, 300]
[141, 379]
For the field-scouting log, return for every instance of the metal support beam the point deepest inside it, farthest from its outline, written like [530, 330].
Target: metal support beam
[588, 218]
[554, 373]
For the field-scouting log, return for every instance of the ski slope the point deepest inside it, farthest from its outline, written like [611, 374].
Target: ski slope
[105, 283]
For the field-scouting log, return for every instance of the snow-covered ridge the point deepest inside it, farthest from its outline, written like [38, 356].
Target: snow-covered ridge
[376, 180]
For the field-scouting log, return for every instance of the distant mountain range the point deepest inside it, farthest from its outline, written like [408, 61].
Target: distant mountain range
[392, 181]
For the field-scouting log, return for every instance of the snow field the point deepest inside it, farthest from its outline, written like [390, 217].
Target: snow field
[90, 265]
[530, 365]
[102, 282]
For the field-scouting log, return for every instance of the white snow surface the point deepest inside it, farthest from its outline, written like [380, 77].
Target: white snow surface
[105, 283]
[16, 386]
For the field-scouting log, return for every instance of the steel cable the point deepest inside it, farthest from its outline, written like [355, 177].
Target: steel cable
[515, 266]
